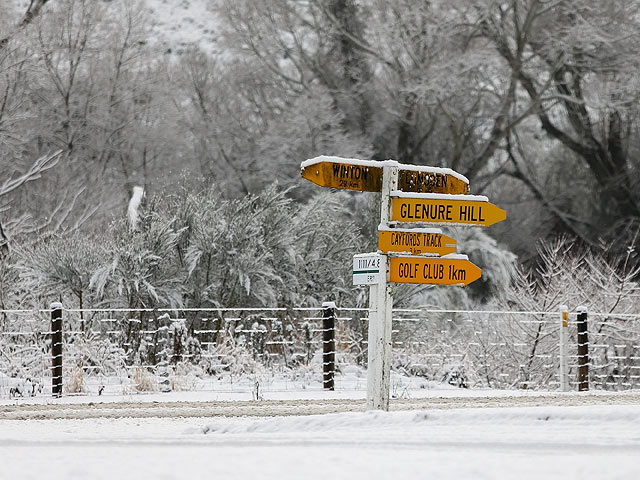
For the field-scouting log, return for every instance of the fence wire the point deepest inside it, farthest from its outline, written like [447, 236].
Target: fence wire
[122, 351]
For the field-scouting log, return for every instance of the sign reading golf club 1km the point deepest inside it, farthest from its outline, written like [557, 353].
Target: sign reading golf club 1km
[414, 199]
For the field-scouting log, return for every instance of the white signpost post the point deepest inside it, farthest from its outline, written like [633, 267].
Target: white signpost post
[380, 308]
[419, 255]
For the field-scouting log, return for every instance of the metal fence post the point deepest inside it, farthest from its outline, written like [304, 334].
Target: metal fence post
[328, 344]
[56, 350]
[564, 349]
[583, 350]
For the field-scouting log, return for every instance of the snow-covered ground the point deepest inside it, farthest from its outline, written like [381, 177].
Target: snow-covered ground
[178, 25]
[596, 442]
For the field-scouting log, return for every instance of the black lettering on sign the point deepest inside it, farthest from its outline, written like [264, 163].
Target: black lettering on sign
[432, 240]
[430, 271]
[407, 270]
[405, 239]
[425, 211]
[471, 213]
[425, 182]
[350, 172]
[459, 274]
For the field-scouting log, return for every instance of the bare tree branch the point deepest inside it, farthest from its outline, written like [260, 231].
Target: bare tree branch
[34, 172]
[32, 12]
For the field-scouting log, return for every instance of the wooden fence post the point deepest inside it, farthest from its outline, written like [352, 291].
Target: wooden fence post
[56, 350]
[564, 349]
[328, 344]
[583, 350]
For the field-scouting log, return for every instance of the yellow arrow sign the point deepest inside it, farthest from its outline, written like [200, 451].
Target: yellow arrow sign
[360, 176]
[433, 271]
[437, 209]
[366, 176]
[434, 180]
[416, 241]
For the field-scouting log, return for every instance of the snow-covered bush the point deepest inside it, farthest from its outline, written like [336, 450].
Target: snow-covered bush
[572, 276]
[60, 267]
[141, 268]
[143, 380]
[74, 381]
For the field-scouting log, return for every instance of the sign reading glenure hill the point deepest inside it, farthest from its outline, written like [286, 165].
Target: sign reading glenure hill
[414, 195]
[456, 209]
[366, 176]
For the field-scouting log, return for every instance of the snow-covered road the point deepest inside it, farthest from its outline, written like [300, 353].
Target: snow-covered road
[597, 438]
[58, 409]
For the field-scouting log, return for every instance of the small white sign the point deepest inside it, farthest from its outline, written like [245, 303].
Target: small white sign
[366, 268]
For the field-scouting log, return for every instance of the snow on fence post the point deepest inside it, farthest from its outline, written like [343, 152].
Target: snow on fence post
[328, 344]
[583, 350]
[56, 350]
[564, 349]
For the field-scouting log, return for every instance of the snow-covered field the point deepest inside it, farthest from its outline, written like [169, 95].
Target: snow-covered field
[182, 24]
[596, 438]
[597, 442]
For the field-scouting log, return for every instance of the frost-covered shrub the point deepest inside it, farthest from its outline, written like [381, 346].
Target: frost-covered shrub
[143, 380]
[527, 352]
[10, 284]
[499, 268]
[516, 346]
[74, 382]
[61, 266]
[184, 376]
[141, 269]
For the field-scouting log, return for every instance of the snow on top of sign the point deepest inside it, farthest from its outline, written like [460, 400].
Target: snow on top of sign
[352, 161]
[382, 163]
[450, 256]
[442, 170]
[365, 254]
[405, 253]
[383, 228]
[439, 196]
[455, 256]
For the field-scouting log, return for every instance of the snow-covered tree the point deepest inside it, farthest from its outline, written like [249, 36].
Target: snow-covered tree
[61, 267]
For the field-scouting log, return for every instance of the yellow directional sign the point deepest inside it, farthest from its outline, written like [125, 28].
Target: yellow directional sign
[416, 241]
[349, 176]
[434, 271]
[414, 179]
[436, 209]
[366, 176]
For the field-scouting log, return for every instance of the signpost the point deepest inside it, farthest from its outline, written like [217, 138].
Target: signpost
[412, 195]
[366, 175]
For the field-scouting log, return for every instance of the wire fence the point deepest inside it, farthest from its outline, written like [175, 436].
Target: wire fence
[122, 351]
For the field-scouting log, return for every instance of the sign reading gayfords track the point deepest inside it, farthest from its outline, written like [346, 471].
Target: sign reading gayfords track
[366, 176]
[419, 241]
[411, 196]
